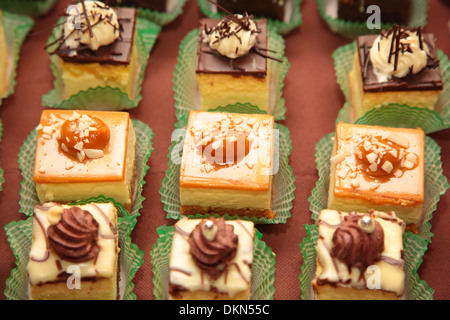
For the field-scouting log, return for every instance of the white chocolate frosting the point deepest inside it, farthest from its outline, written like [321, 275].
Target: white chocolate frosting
[386, 274]
[398, 53]
[95, 25]
[232, 39]
[45, 265]
[184, 272]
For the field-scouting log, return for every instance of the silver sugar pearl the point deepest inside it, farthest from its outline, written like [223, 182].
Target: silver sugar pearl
[209, 230]
[367, 224]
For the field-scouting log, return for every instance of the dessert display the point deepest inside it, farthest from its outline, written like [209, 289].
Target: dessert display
[97, 48]
[226, 167]
[359, 256]
[232, 62]
[398, 66]
[278, 9]
[3, 59]
[82, 154]
[74, 252]
[211, 259]
[378, 168]
[392, 11]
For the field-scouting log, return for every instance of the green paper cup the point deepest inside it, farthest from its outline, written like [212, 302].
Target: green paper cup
[16, 28]
[436, 183]
[186, 91]
[352, 29]
[293, 16]
[263, 266]
[20, 234]
[33, 8]
[28, 195]
[394, 115]
[283, 180]
[102, 98]
[163, 18]
[413, 250]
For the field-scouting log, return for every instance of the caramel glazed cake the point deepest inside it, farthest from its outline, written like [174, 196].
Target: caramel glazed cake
[211, 259]
[359, 256]
[74, 252]
[398, 66]
[98, 48]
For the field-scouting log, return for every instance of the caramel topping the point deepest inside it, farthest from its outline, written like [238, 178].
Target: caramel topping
[384, 158]
[84, 133]
[213, 245]
[74, 237]
[357, 246]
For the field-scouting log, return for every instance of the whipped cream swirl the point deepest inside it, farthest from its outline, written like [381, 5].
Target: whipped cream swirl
[90, 23]
[233, 37]
[398, 52]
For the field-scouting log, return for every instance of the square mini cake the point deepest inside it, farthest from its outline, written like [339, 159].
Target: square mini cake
[211, 259]
[398, 66]
[378, 168]
[226, 166]
[392, 11]
[359, 256]
[230, 67]
[74, 252]
[100, 51]
[82, 154]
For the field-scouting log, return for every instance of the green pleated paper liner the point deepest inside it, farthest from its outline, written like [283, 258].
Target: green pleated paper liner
[102, 98]
[185, 85]
[19, 235]
[263, 266]
[16, 28]
[293, 20]
[32, 8]
[394, 115]
[436, 183]
[413, 250]
[283, 180]
[352, 29]
[28, 194]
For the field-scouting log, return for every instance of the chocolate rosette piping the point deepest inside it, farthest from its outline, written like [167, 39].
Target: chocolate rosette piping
[213, 256]
[356, 247]
[74, 237]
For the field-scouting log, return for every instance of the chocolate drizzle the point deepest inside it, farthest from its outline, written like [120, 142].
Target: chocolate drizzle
[74, 237]
[213, 257]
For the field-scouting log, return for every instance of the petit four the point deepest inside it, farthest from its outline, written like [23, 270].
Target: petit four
[98, 48]
[232, 63]
[359, 256]
[398, 66]
[211, 259]
[392, 11]
[378, 168]
[226, 167]
[74, 252]
[82, 154]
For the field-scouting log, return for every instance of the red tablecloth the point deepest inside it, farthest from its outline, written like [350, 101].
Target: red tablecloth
[313, 100]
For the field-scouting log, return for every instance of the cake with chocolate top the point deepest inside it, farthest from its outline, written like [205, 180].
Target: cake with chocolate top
[210, 259]
[391, 11]
[97, 48]
[74, 252]
[398, 66]
[380, 168]
[359, 256]
[227, 165]
[83, 154]
[232, 62]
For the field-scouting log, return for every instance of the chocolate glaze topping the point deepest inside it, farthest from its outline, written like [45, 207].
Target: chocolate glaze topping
[213, 257]
[428, 79]
[356, 247]
[74, 237]
[118, 52]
